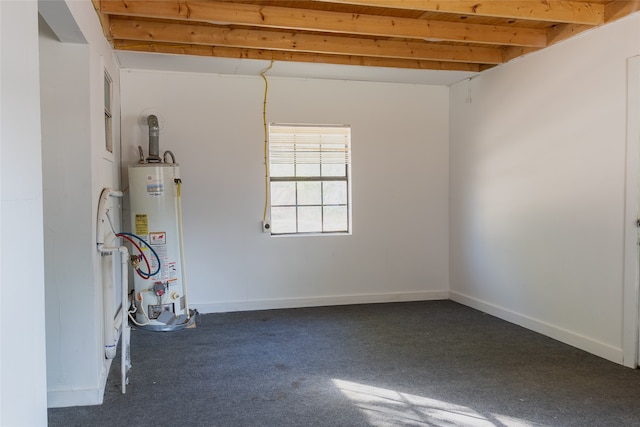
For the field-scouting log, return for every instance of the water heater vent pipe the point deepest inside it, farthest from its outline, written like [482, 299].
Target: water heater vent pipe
[154, 140]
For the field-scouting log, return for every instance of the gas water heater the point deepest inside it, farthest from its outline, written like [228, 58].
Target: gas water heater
[160, 294]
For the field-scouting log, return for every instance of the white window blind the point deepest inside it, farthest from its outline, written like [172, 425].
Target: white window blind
[317, 145]
[309, 174]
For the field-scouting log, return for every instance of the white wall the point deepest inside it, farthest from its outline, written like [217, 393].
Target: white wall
[76, 167]
[22, 338]
[213, 124]
[538, 188]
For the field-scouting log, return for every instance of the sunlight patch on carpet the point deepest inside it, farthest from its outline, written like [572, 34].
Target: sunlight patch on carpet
[389, 408]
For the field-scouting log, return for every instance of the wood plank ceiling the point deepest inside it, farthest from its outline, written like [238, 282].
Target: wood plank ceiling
[418, 34]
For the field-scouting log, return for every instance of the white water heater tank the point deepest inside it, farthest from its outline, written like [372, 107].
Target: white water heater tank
[154, 194]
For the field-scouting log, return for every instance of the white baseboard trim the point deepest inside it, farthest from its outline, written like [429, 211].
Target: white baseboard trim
[270, 304]
[80, 397]
[83, 397]
[571, 338]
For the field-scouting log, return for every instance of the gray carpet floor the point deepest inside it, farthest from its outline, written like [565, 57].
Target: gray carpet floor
[432, 363]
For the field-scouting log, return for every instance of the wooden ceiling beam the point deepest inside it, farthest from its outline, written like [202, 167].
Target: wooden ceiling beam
[575, 12]
[432, 34]
[130, 29]
[515, 52]
[104, 19]
[325, 21]
[261, 54]
[564, 31]
[620, 8]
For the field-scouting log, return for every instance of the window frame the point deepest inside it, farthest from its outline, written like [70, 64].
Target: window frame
[108, 116]
[322, 179]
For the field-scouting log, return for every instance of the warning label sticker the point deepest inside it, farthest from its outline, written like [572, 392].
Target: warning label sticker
[163, 274]
[142, 224]
[173, 272]
[158, 238]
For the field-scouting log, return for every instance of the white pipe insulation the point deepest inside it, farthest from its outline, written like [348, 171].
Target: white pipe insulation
[119, 323]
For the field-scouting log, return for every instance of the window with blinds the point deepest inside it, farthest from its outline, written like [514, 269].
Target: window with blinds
[309, 179]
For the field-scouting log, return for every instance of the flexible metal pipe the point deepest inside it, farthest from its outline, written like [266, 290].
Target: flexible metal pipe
[173, 158]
